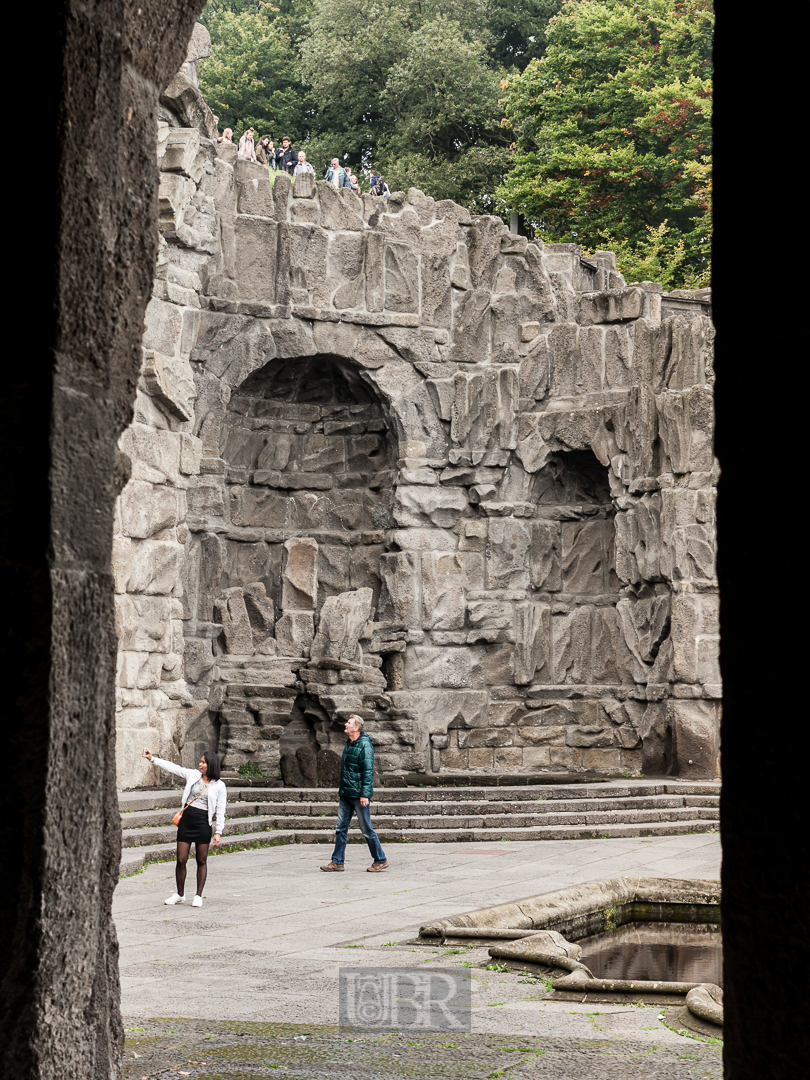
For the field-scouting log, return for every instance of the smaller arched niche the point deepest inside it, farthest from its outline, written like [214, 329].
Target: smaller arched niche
[572, 496]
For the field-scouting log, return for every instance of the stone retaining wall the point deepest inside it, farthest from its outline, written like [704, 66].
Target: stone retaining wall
[392, 459]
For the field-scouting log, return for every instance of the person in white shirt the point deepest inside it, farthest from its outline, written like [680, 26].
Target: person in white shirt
[336, 175]
[303, 165]
[204, 798]
[247, 148]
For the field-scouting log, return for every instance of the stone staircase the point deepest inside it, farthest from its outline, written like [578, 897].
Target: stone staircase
[263, 816]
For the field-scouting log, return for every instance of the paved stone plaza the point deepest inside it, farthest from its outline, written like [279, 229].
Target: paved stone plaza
[256, 969]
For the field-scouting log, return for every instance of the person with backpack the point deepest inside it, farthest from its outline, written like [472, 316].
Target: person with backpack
[380, 188]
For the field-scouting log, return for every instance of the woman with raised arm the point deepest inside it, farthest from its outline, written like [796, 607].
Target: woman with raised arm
[204, 798]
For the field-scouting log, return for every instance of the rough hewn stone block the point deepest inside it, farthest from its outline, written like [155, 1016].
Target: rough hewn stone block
[295, 631]
[695, 737]
[572, 646]
[400, 592]
[507, 563]
[611, 306]
[454, 668]
[299, 575]
[532, 657]
[442, 591]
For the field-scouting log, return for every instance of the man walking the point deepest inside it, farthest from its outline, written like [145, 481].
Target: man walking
[355, 792]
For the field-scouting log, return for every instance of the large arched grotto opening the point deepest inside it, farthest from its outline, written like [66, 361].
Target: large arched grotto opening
[308, 489]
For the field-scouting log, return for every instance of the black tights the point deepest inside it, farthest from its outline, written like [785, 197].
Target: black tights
[201, 852]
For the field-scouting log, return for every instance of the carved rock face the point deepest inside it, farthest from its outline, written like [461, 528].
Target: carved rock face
[427, 471]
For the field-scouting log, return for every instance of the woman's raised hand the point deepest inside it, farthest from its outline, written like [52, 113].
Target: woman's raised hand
[147, 753]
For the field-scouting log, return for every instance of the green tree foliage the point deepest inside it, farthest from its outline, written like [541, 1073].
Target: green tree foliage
[614, 133]
[410, 86]
[414, 89]
[519, 28]
[251, 78]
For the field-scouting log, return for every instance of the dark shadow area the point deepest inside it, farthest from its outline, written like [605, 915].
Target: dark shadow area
[766, 946]
[311, 746]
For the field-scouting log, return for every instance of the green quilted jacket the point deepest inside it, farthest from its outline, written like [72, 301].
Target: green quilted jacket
[357, 769]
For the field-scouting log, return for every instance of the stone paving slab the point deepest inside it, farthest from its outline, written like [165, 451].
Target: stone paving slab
[274, 931]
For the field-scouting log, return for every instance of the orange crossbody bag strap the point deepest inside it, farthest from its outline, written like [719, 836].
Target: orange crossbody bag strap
[179, 814]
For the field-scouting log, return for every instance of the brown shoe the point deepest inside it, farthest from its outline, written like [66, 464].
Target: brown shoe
[377, 866]
[332, 866]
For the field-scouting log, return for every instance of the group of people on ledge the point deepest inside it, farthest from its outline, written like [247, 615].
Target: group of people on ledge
[285, 158]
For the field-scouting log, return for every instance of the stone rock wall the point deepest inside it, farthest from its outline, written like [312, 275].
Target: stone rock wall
[391, 459]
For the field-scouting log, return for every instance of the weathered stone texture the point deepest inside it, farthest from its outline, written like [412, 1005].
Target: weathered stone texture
[455, 479]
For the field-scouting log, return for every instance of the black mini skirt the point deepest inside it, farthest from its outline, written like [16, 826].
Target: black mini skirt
[194, 827]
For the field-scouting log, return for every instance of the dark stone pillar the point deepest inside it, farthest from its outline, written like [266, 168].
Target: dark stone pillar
[763, 806]
[86, 210]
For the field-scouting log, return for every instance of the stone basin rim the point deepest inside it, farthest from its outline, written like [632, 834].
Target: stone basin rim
[516, 925]
[549, 910]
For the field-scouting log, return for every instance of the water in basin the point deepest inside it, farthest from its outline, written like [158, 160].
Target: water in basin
[672, 952]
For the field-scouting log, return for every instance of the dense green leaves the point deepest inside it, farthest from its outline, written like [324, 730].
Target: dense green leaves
[519, 28]
[251, 78]
[416, 88]
[614, 132]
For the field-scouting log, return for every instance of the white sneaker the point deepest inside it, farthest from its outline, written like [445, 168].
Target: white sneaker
[175, 898]
[197, 901]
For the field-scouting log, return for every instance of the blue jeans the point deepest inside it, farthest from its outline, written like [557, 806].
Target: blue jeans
[345, 811]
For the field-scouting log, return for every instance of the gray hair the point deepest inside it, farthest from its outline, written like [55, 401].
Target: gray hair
[358, 722]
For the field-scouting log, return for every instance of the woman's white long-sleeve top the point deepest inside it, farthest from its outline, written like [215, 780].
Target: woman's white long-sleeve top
[217, 792]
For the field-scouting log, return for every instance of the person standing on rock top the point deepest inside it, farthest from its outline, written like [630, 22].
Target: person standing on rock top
[205, 796]
[336, 175]
[303, 165]
[286, 155]
[355, 793]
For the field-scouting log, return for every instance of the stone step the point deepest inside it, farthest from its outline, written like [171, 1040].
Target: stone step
[132, 801]
[461, 808]
[134, 858]
[265, 816]
[145, 819]
[605, 831]
[394, 823]
[163, 834]
[441, 822]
